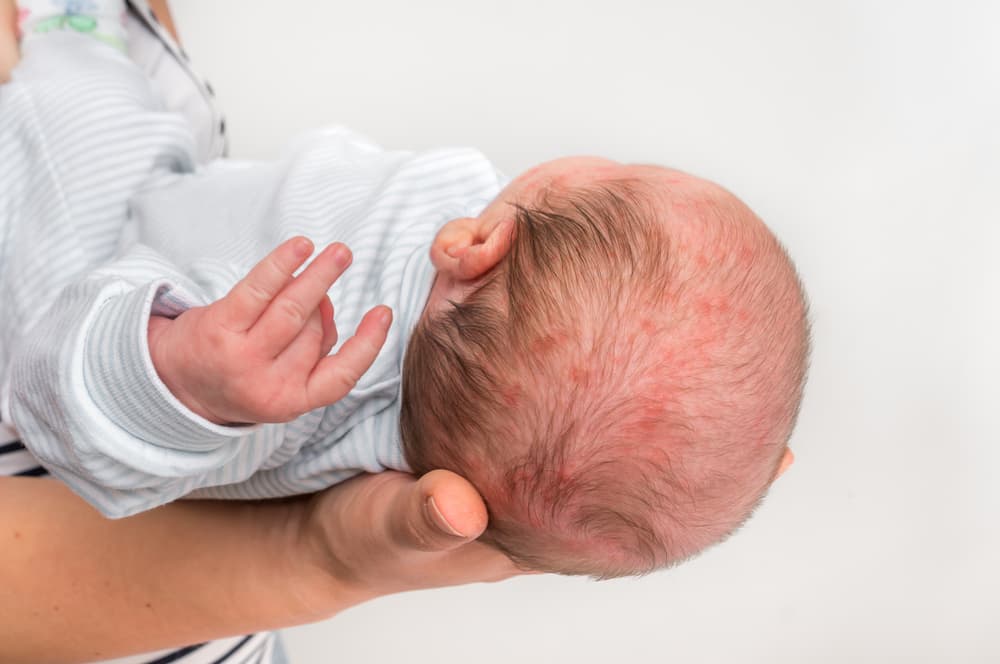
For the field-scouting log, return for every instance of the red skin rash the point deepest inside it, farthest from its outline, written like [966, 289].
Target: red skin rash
[511, 395]
[547, 343]
[672, 358]
[648, 425]
[579, 376]
[710, 308]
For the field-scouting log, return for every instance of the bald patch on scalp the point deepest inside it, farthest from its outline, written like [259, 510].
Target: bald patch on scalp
[622, 386]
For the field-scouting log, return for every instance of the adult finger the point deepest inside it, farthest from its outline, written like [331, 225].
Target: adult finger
[249, 298]
[337, 374]
[439, 512]
[287, 314]
[387, 535]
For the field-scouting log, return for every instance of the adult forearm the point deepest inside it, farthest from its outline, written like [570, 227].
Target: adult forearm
[76, 586]
[8, 39]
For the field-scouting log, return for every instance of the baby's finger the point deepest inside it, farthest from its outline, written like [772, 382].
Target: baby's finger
[300, 357]
[248, 299]
[329, 327]
[281, 323]
[337, 374]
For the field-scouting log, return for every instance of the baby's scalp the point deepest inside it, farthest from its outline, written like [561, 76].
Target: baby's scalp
[621, 387]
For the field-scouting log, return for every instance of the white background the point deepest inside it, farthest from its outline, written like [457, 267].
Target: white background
[866, 134]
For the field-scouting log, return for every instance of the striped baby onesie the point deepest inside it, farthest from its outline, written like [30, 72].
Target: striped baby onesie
[185, 93]
[105, 220]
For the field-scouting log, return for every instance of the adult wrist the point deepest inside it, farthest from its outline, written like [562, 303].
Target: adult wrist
[320, 583]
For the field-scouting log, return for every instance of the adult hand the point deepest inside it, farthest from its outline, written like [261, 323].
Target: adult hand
[381, 534]
[196, 570]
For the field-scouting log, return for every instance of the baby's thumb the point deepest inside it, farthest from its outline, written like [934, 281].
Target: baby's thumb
[440, 511]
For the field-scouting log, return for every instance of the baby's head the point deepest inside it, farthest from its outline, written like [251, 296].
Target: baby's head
[614, 356]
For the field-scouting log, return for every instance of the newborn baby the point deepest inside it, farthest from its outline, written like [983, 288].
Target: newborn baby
[612, 354]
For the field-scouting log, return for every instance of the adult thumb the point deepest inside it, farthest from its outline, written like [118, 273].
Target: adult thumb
[438, 512]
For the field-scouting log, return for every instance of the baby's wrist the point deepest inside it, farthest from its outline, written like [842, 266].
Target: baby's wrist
[164, 362]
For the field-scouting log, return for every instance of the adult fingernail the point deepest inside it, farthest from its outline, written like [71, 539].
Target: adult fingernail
[438, 518]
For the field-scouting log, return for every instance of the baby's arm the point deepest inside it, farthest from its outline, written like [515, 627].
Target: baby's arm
[85, 391]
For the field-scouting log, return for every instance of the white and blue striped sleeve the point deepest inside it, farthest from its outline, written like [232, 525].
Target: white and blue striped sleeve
[89, 404]
[82, 132]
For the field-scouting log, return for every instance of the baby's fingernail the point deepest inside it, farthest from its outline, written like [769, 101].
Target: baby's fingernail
[342, 256]
[439, 520]
[456, 250]
[303, 247]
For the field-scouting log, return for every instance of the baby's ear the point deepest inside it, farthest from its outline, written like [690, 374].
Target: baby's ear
[468, 248]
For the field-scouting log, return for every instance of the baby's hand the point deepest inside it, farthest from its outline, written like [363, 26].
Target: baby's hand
[260, 354]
